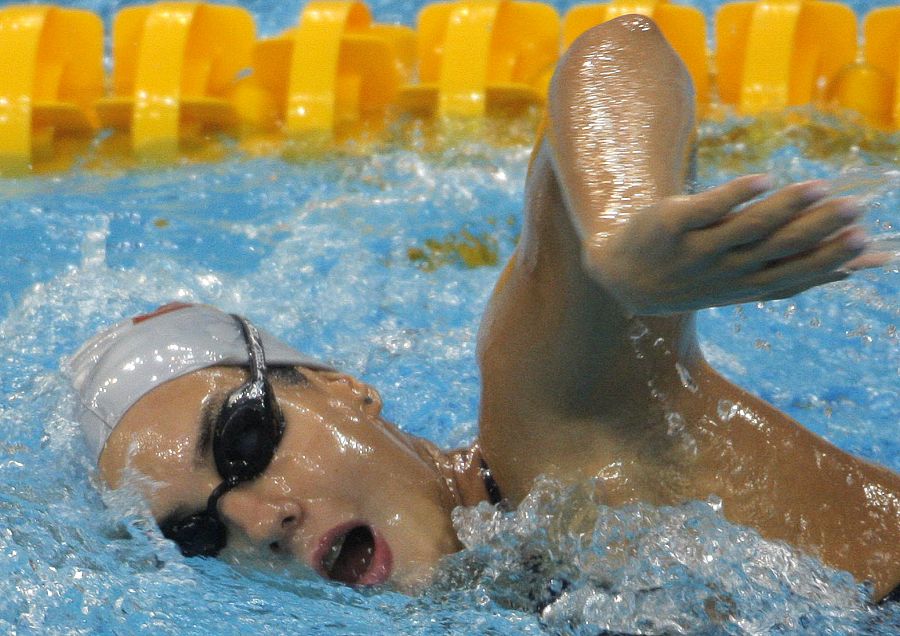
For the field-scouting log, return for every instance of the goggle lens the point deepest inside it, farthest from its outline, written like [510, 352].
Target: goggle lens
[197, 535]
[245, 439]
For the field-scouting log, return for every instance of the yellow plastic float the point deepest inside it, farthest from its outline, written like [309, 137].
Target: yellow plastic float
[175, 66]
[772, 54]
[335, 67]
[872, 87]
[52, 73]
[684, 28]
[882, 51]
[181, 68]
[477, 54]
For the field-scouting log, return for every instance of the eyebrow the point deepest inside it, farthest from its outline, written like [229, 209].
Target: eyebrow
[206, 423]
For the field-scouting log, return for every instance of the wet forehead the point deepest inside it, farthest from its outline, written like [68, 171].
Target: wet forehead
[158, 435]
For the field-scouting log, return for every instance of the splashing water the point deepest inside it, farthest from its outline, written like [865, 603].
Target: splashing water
[588, 569]
[271, 239]
[265, 238]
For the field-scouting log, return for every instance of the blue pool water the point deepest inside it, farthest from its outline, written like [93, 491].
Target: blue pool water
[320, 253]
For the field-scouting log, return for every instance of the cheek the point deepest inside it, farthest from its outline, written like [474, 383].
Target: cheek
[343, 448]
[407, 486]
[183, 492]
[354, 469]
[338, 442]
[356, 442]
[311, 458]
[173, 485]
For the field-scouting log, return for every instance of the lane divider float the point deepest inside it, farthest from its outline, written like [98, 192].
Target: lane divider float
[182, 69]
[52, 61]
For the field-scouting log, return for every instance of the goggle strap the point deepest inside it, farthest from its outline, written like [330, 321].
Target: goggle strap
[212, 504]
[254, 350]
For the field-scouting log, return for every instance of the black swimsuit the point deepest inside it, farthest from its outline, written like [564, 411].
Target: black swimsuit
[493, 490]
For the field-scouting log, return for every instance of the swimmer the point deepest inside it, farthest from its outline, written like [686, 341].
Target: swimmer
[589, 359]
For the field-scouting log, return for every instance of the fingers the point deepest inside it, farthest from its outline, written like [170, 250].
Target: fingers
[707, 208]
[759, 220]
[830, 258]
[833, 260]
[801, 235]
[868, 260]
[780, 293]
[814, 281]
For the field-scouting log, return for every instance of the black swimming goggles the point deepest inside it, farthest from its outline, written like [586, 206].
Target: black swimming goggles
[244, 439]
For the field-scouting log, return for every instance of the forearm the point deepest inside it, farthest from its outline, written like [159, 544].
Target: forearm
[619, 137]
[791, 485]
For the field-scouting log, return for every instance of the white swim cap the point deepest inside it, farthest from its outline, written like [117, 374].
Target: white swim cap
[118, 366]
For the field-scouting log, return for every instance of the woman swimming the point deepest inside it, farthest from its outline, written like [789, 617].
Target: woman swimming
[588, 352]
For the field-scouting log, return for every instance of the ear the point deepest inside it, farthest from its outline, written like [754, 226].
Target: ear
[365, 393]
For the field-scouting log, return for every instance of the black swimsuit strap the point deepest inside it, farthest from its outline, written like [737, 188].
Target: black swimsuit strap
[493, 490]
[893, 597]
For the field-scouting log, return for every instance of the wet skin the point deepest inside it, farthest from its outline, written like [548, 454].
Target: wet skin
[588, 352]
[338, 466]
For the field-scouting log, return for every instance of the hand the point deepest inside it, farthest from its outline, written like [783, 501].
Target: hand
[704, 250]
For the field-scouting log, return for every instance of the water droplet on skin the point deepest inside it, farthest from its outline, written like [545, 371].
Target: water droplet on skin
[690, 445]
[726, 409]
[686, 380]
[819, 457]
[675, 424]
[637, 330]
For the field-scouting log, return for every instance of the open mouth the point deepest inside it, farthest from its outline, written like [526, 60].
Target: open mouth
[355, 556]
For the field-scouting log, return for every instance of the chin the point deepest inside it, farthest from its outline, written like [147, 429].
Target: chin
[413, 573]
[413, 580]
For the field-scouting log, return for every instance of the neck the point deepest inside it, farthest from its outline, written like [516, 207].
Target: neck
[469, 473]
[461, 470]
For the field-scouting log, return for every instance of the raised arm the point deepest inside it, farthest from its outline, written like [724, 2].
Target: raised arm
[590, 364]
[619, 141]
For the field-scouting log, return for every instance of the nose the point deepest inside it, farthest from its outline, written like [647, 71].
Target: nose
[265, 520]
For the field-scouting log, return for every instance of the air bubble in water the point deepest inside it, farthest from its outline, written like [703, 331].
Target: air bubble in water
[93, 247]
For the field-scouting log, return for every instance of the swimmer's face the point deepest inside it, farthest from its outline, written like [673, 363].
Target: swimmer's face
[346, 493]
